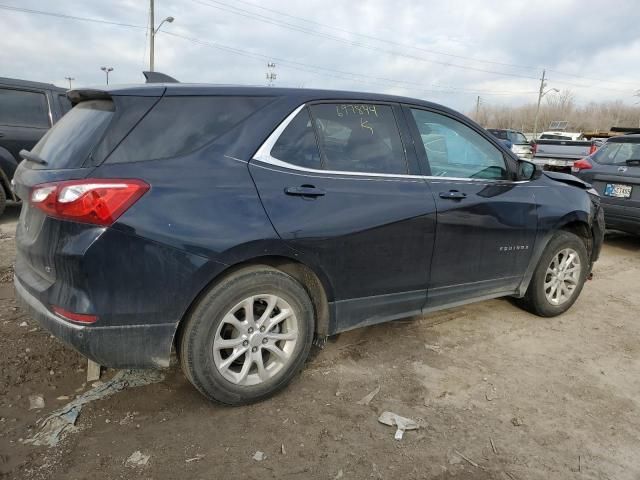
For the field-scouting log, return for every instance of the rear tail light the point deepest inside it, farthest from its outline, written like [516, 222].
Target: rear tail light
[94, 201]
[583, 164]
[74, 317]
[534, 148]
[593, 149]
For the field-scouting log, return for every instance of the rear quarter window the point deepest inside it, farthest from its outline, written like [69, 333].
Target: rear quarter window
[179, 125]
[71, 141]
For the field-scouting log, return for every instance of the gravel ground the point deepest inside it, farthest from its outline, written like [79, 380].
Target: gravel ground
[498, 393]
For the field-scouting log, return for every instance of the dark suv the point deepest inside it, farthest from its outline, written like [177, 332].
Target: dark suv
[239, 223]
[27, 111]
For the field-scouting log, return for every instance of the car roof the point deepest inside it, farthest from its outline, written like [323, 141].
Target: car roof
[15, 82]
[194, 89]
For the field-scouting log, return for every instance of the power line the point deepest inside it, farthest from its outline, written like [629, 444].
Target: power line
[434, 52]
[262, 18]
[387, 82]
[274, 21]
[298, 65]
[384, 40]
[291, 64]
[70, 17]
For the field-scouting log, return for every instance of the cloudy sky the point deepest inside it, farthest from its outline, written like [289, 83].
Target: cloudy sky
[445, 51]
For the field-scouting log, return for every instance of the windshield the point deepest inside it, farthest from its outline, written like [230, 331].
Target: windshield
[70, 142]
[617, 153]
[518, 138]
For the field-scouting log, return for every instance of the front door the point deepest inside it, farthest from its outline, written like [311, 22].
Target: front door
[341, 188]
[486, 221]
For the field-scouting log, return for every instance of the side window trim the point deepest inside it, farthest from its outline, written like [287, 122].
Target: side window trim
[263, 154]
[422, 153]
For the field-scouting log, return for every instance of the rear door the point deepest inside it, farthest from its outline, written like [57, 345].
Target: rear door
[340, 183]
[486, 222]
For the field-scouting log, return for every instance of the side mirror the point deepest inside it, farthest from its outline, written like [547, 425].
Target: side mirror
[526, 170]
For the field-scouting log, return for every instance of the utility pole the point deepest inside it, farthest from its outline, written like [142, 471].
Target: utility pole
[271, 74]
[478, 109]
[70, 80]
[107, 70]
[540, 94]
[152, 34]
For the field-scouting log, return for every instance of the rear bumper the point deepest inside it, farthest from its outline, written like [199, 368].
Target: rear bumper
[123, 346]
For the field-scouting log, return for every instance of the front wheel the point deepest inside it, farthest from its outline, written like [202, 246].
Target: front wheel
[248, 336]
[559, 276]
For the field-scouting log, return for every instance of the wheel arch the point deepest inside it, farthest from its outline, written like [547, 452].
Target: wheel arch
[315, 283]
[576, 222]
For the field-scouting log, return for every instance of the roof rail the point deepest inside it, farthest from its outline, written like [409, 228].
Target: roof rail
[157, 77]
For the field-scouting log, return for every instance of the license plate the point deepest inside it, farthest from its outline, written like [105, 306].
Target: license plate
[558, 163]
[617, 190]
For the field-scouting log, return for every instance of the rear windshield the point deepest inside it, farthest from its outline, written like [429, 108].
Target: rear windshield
[548, 136]
[70, 142]
[617, 153]
[501, 134]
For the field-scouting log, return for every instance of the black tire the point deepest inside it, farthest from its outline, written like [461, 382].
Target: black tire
[535, 299]
[3, 199]
[196, 341]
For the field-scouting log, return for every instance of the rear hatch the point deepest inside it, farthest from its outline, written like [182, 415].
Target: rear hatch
[71, 150]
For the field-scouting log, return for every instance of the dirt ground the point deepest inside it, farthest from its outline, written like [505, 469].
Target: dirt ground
[498, 393]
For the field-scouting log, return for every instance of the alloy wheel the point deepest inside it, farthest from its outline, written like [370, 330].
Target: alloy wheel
[562, 276]
[255, 340]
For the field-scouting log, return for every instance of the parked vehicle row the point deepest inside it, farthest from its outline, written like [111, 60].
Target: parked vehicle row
[27, 111]
[239, 222]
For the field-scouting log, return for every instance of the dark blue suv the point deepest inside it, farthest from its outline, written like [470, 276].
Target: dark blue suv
[239, 224]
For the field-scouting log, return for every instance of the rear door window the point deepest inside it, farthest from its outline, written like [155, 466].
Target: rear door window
[359, 137]
[179, 125]
[70, 142]
[21, 108]
[297, 144]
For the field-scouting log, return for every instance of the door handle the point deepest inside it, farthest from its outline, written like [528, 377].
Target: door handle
[453, 195]
[305, 191]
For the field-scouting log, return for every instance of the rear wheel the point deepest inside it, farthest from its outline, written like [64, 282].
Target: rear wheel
[559, 276]
[248, 336]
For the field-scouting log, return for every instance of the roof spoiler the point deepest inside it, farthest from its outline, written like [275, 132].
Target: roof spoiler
[157, 77]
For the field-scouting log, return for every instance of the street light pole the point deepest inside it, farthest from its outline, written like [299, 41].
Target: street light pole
[107, 70]
[70, 80]
[541, 94]
[152, 33]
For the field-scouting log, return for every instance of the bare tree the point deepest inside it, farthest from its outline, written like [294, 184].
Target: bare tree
[562, 106]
